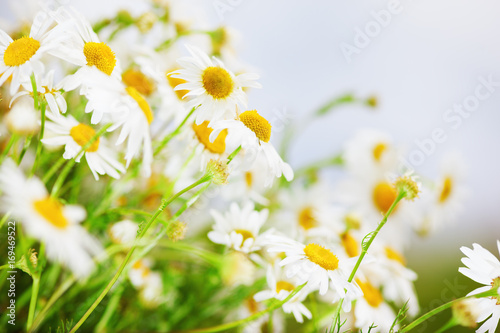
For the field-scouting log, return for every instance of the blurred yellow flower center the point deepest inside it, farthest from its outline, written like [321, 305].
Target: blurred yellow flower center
[350, 245]
[52, 211]
[248, 179]
[352, 221]
[203, 132]
[321, 256]
[141, 101]
[100, 56]
[257, 124]
[174, 82]
[446, 190]
[20, 51]
[283, 285]
[384, 195]
[134, 78]
[307, 219]
[395, 255]
[217, 82]
[378, 151]
[82, 134]
[245, 233]
[371, 294]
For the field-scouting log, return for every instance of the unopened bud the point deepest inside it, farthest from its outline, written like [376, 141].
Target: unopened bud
[176, 230]
[406, 184]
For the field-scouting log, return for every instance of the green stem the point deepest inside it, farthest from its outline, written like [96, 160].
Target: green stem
[163, 205]
[110, 309]
[237, 323]
[233, 154]
[53, 169]
[27, 143]
[40, 137]
[67, 168]
[171, 135]
[35, 91]
[13, 139]
[451, 323]
[34, 296]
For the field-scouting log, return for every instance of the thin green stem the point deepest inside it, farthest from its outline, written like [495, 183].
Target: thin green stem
[35, 91]
[141, 234]
[34, 296]
[110, 309]
[67, 168]
[233, 154]
[171, 135]
[53, 169]
[40, 137]
[27, 143]
[13, 139]
[449, 324]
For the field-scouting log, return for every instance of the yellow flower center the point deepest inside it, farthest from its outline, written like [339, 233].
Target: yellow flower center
[350, 245]
[20, 51]
[284, 285]
[495, 284]
[134, 78]
[203, 132]
[141, 101]
[245, 233]
[248, 179]
[321, 256]
[395, 255]
[446, 190]
[378, 151]
[51, 210]
[217, 82]
[257, 124]
[252, 305]
[174, 82]
[371, 294]
[100, 56]
[82, 134]
[384, 195]
[307, 219]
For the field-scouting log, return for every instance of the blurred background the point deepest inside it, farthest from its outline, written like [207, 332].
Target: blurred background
[420, 58]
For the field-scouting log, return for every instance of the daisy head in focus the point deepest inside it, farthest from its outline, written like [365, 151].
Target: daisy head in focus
[22, 57]
[280, 287]
[483, 267]
[74, 136]
[239, 227]
[48, 220]
[252, 132]
[214, 90]
[318, 266]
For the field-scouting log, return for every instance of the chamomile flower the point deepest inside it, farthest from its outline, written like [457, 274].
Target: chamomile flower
[123, 232]
[318, 266]
[483, 267]
[48, 220]
[239, 227]
[280, 288]
[23, 118]
[252, 132]
[74, 136]
[216, 91]
[21, 57]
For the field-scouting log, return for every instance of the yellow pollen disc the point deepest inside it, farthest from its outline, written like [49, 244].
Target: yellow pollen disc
[371, 294]
[100, 56]
[82, 133]
[321, 256]
[141, 101]
[283, 285]
[446, 190]
[245, 233]
[20, 51]
[174, 82]
[395, 255]
[134, 78]
[203, 132]
[378, 151]
[217, 82]
[51, 210]
[307, 219]
[383, 196]
[350, 245]
[257, 124]
[248, 179]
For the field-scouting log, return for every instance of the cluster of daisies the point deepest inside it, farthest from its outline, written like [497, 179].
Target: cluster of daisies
[152, 103]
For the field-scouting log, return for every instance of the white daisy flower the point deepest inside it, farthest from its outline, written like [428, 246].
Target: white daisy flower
[21, 57]
[216, 90]
[74, 136]
[239, 227]
[280, 289]
[252, 132]
[123, 232]
[45, 86]
[483, 267]
[49, 221]
[317, 265]
[23, 118]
